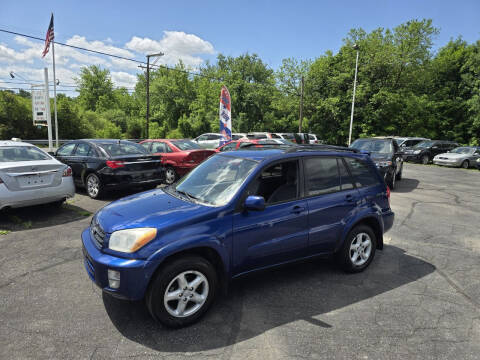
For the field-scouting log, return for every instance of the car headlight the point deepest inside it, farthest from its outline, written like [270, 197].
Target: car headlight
[478, 160]
[130, 240]
[417, 152]
[383, 163]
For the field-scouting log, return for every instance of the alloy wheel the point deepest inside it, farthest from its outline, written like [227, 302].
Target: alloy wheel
[360, 249]
[186, 294]
[465, 164]
[170, 176]
[93, 185]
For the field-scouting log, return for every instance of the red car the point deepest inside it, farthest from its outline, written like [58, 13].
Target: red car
[237, 144]
[178, 156]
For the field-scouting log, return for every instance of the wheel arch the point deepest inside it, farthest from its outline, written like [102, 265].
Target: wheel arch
[371, 221]
[85, 173]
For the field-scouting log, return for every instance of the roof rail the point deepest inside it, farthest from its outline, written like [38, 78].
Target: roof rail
[321, 147]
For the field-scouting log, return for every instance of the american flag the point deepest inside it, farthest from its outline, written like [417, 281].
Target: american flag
[48, 38]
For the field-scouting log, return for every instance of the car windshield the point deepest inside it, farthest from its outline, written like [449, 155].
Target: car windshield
[463, 150]
[21, 153]
[123, 148]
[424, 144]
[185, 144]
[381, 146]
[216, 180]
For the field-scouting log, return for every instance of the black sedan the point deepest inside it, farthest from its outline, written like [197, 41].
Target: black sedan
[100, 165]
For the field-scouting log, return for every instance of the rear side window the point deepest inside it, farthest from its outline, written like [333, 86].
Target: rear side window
[345, 178]
[66, 150]
[361, 173]
[322, 176]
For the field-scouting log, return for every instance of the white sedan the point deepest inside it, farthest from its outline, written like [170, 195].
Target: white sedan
[29, 176]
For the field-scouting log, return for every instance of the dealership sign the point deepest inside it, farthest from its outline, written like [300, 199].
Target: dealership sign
[39, 105]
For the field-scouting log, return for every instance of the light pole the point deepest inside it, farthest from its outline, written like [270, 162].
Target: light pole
[355, 47]
[148, 90]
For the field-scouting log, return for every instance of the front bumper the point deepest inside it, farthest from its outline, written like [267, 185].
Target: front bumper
[21, 198]
[453, 163]
[411, 157]
[134, 274]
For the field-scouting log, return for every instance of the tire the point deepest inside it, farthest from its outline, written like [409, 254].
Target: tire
[94, 186]
[425, 159]
[399, 175]
[168, 280]
[392, 182]
[170, 175]
[346, 254]
[465, 164]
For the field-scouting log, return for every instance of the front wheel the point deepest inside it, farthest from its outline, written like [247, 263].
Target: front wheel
[425, 159]
[182, 291]
[170, 175]
[94, 186]
[358, 250]
[465, 164]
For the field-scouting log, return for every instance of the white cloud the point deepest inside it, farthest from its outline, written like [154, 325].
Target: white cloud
[176, 45]
[123, 79]
[97, 45]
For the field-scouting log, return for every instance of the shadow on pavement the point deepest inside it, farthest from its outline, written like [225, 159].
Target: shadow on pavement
[406, 185]
[39, 216]
[269, 299]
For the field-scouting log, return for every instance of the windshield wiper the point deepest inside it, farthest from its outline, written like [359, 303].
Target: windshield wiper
[188, 195]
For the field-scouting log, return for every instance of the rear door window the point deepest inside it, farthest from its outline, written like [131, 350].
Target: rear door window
[362, 175]
[158, 147]
[82, 150]
[66, 150]
[321, 176]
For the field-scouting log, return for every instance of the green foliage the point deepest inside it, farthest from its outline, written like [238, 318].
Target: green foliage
[403, 88]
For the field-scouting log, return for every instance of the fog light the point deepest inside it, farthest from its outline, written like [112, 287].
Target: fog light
[113, 279]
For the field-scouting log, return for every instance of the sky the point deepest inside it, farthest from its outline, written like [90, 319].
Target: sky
[197, 31]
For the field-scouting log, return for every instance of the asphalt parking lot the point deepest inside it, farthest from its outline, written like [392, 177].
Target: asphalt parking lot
[419, 299]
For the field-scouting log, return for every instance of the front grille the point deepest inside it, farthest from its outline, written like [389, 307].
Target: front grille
[97, 233]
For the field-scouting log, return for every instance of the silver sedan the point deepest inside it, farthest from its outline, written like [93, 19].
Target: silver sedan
[464, 156]
[29, 176]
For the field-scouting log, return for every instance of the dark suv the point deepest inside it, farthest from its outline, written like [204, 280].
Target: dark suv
[425, 151]
[237, 212]
[386, 155]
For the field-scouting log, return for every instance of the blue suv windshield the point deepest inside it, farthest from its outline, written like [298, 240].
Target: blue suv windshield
[216, 180]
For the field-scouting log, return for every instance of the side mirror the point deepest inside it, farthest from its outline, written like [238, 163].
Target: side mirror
[255, 203]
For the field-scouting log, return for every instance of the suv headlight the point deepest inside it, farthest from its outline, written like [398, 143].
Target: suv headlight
[383, 163]
[417, 152]
[478, 160]
[130, 240]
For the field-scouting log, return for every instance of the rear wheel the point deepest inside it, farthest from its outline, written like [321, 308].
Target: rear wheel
[94, 186]
[358, 250]
[425, 159]
[465, 164]
[182, 291]
[392, 181]
[170, 175]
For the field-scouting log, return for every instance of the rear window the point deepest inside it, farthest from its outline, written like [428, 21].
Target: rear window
[185, 144]
[361, 173]
[21, 153]
[122, 148]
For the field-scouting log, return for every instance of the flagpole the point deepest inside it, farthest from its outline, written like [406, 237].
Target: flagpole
[55, 90]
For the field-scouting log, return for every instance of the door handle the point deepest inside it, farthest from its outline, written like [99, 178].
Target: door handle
[297, 209]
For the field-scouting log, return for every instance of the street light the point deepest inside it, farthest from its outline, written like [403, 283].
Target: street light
[148, 89]
[355, 47]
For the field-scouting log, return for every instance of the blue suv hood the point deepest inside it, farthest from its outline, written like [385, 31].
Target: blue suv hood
[148, 209]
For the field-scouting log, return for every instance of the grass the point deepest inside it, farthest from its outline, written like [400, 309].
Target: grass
[4, 232]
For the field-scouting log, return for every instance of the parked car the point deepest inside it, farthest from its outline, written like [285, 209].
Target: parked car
[405, 142]
[208, 140]
[387, 157]
[238, 136]
[30, 176]
[237, 144]
[262, 135]
[286, 136]
[313, 139]
[464, 157]
[478, 164]
[178, 156]
[425, 151]
[235, 213]
[100, 165]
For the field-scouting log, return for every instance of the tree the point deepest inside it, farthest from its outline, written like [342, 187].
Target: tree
[95, 88]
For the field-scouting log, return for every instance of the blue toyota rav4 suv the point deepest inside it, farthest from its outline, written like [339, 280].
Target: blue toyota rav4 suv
[237, 212]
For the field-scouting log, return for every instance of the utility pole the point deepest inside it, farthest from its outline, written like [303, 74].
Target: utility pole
[301, 106]
[148, 91]
[355, 47]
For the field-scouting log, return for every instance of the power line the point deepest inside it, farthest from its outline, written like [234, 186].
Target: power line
[60, 85]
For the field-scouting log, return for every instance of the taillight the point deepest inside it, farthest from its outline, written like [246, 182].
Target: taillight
[67, 172]
[388, 195]
[114, 164]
